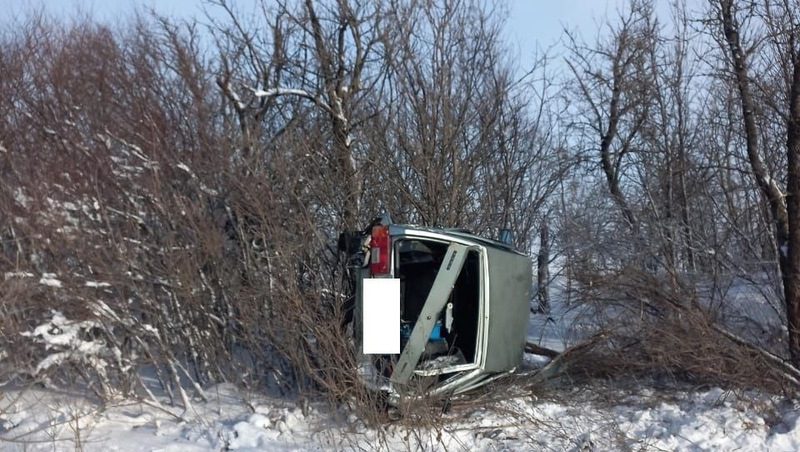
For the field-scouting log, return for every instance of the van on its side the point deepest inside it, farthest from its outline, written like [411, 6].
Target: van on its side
[464, 306]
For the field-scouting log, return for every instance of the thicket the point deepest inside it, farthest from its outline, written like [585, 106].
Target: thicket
[171, 193]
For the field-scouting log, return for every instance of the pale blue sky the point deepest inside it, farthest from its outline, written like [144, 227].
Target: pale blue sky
[532, 24]
[530, 21]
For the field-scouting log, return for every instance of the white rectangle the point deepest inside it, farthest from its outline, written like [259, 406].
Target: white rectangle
[381, 320]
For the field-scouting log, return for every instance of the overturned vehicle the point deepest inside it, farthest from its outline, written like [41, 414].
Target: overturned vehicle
[436, 311]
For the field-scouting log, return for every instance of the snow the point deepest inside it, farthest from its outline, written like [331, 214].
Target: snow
[232, 419]
[49, 279]
[21, 198]
[273, 92]
[96, 284]
[712, 420]
[12, 275]
[603, 415]
[58, 331]
[235, 97]
[65, 341]
[559, 328]
[281, 92]
[205, 189]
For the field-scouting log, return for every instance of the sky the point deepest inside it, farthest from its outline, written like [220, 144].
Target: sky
[530, 22]
[532, 26]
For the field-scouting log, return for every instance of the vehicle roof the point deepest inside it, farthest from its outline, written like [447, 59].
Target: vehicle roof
[459, 233]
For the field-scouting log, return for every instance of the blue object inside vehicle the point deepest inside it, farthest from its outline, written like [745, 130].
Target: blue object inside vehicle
[407, 327]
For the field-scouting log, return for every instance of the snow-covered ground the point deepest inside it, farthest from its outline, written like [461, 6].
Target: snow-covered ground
[562, 326]
[574, 420]
[601, 416]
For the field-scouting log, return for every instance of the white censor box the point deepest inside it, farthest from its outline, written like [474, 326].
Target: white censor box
[381, 322]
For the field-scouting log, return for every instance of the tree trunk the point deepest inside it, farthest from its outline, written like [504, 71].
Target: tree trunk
[790, 250]
[332, 67]
[784, 209]
[543, 274]
[347, 172]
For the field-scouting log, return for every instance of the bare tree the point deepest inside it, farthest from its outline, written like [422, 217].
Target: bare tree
[780, 41]
[460, 139]
[614, 84]
[343, 38]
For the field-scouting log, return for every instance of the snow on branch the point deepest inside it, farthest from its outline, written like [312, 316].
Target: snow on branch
[276, 92]
[203, 187]
[78, 342]
[232, 95]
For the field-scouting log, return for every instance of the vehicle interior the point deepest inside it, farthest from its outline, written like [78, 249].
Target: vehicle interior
[454, 338]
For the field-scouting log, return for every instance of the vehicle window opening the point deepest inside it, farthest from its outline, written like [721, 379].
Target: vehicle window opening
[453, 340]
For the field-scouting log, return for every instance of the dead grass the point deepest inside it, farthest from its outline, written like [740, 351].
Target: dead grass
[658, 329]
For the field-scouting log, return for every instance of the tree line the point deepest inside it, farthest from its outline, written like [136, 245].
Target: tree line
[186, 183]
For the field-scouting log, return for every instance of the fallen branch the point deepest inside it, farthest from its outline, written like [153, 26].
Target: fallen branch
[561, 361]
[535, 349]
